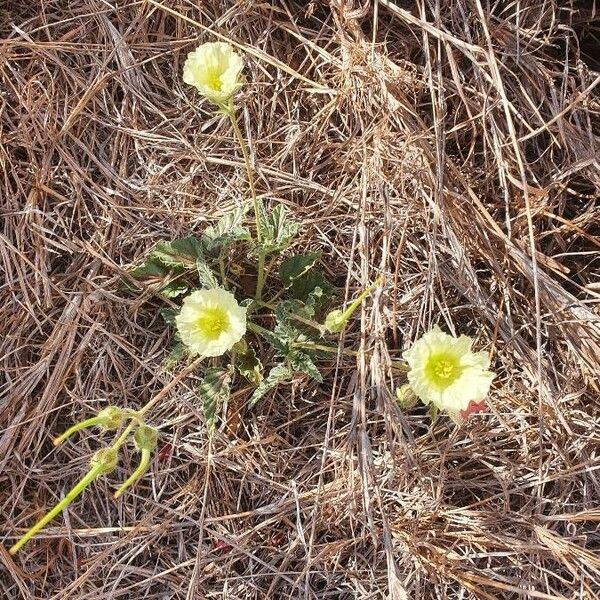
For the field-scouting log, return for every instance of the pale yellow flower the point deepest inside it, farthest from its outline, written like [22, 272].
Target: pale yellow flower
[211, 322]
[445, 372]
[215, 70]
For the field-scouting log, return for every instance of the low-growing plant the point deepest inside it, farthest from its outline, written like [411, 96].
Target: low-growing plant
[218, 319]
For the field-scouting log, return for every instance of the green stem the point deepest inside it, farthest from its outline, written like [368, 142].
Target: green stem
[182, 375]
[141, 469]
[345, 317]
[396, 364]
[222, 271]
[230, 111]
[125, 434]
[77, 427]
[323, 348]
[350, 310]
[260, 282]
[298, 318]
[70, 497]
[136, 419]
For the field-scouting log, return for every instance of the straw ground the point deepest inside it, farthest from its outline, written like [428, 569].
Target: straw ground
[451, 146]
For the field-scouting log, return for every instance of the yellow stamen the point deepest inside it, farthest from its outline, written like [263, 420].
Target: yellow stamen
[443, 370]
[213, 322]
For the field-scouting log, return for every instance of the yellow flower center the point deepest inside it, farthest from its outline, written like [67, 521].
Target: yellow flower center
[214, 81]
[213, 322]
[442, 370]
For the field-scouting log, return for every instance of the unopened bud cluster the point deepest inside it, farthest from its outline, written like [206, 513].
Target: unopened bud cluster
[104, 460]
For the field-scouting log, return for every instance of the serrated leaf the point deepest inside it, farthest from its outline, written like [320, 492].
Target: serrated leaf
[311, 288]
[182, 253]
[227, 223]
[228, 230]
[153, 272]
[301, 361]
[296, 319]
[206, 275]
[287, 310]
[277, 230]
[280, 338]
[214, 391]
[169, 260]
[249, 365]
[297, 266]
[278, 374]
[178, 353]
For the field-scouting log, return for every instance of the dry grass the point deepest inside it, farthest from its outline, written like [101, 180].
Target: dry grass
[452, 147]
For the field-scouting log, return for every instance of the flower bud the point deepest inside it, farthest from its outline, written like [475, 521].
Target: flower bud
[145, 438]
[105, 460]
[405, 396]
[335, 321]
[111, 417]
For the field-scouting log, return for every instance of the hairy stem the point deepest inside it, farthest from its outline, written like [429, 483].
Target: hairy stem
[77, 427]
[350, 310]
[271, 306]
[125, 433]
[260, 282]
[141, 469]
[70, 497]
[396, 364]
[182, 375]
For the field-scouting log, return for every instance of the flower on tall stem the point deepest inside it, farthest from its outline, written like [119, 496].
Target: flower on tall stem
[214, 69]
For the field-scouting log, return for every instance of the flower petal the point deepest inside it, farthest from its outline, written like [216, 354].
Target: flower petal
[214, 69]
[227, 328]
[444, 371]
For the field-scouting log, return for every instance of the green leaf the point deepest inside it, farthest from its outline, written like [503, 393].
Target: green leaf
[288, 309]
[277, 230]
[174, 289]
[278, 374]
[206, 275]
[177, 354]
[181, 253]
[296, 266]
[278, 339]
[153, 272]
[214, 391]
[168, 315]
[312, 288]
[248, 363]
[228, 230]
[150, 269]
[169, 260]
[300, 361]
